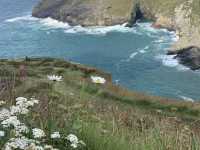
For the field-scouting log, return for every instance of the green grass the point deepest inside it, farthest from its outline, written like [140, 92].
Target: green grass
[105, 117]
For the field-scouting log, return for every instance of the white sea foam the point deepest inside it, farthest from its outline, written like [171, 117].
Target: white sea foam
[102, 30]
[49, 23]
[52, 23]
[144, 49]
[160, 40]
[133, 55]
[175, 37]
[188, 99]
[22, 18]
[147, 27]
[169, 61]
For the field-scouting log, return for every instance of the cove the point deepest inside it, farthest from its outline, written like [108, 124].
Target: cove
[134, 56]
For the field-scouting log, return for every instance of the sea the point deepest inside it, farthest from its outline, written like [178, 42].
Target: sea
[136, 57]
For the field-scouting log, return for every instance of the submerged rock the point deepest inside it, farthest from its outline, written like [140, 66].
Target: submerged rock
[189, 56]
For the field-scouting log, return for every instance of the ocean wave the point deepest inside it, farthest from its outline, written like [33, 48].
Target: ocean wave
[49, 23]
[188, 99]
[169, 61]
[161, 40]
[144, 49]
[100, 29]
[22, 18]
[133, 55]
[52, 23]
[147, 26]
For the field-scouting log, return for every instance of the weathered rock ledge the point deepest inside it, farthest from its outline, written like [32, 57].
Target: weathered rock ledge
[181, 16]
[189, 56]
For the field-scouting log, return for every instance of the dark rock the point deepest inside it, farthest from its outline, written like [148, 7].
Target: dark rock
[189, 57]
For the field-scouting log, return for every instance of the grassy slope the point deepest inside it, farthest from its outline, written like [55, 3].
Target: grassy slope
[106, 117]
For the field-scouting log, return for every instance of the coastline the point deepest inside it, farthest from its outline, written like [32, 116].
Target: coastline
[117, 89]
[51, 24]
[97, 113]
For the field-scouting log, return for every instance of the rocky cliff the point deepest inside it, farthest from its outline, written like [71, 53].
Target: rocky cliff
[183, 16]
[86, 12]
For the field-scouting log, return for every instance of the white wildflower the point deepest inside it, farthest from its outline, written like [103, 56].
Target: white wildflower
[2, 103]
[21, 129]
[48, 147]
[22, 105]
[187, 99]
[21, 99]
[73, 140]
[74, 145]
[54, 78]
[98, 80]
[2, 133]
[24, 111]
[55, 135]
[38, 133]
[35, 101]
[39, 148]
[4, 114]
[32, 146]
[12, 120]
[18, 143]
[15, 110]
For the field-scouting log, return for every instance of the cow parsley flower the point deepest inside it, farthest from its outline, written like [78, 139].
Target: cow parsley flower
[2, 133]
[98, 80]
[2, 103]
[73, 140]
[48, 147]
[18, 143]
[74, 145]
[54, 78]
[12, 120]
[21, 129]
[4, 114]
[55, 135]
[38, 133]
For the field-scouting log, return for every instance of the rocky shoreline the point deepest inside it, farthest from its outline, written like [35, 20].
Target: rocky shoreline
[181, 17]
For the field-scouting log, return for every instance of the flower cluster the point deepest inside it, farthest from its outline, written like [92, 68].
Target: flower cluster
[9, 120]
[74, 142]
[54, 78]
[55, 135]
[2, 133]
[38, 133]
[2, 103]
[98, 80]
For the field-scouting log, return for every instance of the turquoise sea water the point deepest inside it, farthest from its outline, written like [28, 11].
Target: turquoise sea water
[135, 56]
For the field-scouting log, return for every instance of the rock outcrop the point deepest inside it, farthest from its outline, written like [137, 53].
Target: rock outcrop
[86, 12]
[182, 16]
[189, 56]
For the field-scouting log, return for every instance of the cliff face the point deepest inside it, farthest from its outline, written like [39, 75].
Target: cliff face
[183, 16]
[180, 15]
[86, 12]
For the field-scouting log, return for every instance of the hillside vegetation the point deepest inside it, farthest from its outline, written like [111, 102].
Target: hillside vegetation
[104, 116]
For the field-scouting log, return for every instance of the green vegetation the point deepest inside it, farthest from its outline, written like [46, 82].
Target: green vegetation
[104, 116]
